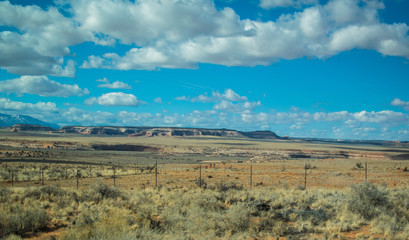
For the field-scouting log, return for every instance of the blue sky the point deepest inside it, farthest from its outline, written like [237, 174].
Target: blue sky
[303, 68]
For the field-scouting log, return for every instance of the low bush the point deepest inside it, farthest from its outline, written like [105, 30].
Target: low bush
[17, 219]
[101, 191]
[367, 200]
[225, 212]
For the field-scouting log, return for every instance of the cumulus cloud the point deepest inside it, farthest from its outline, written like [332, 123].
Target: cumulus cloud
[228, 95]
[41, 85]
[229, 101]
[182, 34]
[148, 58]
[236, 107]
[319, 31]
[400, 103]
[22, 107]
[115, 99]
[157, 100]
[268, 4]
[41, 42]
[145, 21]
[114, 85]
[182, 98]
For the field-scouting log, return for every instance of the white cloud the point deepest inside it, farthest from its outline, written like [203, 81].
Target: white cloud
[403, 104]
[268, 4]
[158, 100]
[147, 58]
[41, 85]
[103, 80]
[146, 21]
[228, 95]
[115, 85]
[182, 98]
[21, 107]
[115, 99]
[41, 43]
[320, 31]
[369, 125]
[182, 34]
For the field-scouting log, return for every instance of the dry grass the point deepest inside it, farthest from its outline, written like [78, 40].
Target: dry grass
[224, 212]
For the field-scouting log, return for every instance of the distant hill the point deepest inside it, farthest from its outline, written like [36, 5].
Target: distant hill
[7, 120]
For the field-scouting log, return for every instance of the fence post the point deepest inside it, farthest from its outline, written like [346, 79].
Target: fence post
[42, 176]
[251, 175]
[156, 174]
[113, 167]
[366, 171]
[78, 176]
[305, 177]
[12, 177]
[200, 175]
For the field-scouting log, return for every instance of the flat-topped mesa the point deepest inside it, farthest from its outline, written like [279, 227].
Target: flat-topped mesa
[261, 134]
[166, 131]
[30, 127]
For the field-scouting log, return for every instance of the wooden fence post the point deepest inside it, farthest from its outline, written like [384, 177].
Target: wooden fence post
[156, 174]
[78, 176]
[113, 167]
[305, 177]
[12, 177]
[200, 176]
[366, 171]
[42, 176]
[251, 175]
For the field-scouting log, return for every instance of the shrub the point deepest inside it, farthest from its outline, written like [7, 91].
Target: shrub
[4, 194]
[43, 192]
[224, 187]
[367, 200]
[100, 191]
[17, 219]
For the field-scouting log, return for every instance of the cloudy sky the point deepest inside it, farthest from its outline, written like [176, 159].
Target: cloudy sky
[303, 68]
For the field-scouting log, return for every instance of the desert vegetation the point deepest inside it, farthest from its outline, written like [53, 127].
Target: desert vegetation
[221, 211]
[63, 187]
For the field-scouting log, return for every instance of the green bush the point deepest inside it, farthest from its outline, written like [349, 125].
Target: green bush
[17, 219]
[367, 200]
[4, 194]
[101, 191]
[43, 192]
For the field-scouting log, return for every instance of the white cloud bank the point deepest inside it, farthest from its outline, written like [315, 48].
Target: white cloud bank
[229, 101]
[41, 85]
[386, 125]
[268, 4]
[182, 34]
[27, 108]
[319, 31]
[115, 99]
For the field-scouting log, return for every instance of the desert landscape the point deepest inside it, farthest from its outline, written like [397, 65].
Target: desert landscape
[204, 119]
[318, 185]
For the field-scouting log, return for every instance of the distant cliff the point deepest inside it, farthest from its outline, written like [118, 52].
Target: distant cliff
[167, 131]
